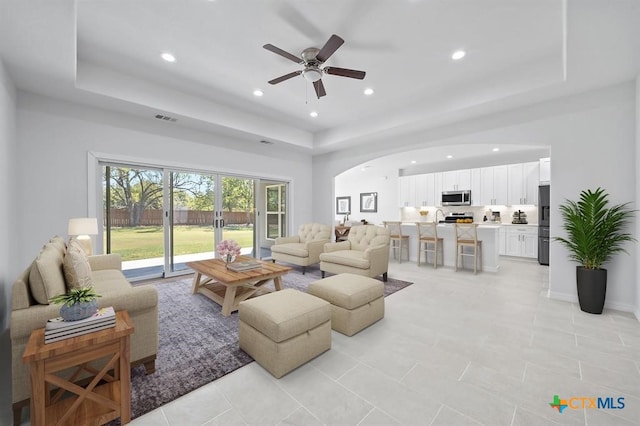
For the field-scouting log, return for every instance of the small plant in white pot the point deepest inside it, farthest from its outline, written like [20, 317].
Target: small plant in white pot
[78, 303]
[595, 232]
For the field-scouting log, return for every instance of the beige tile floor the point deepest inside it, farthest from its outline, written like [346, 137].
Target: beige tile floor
[453, 349]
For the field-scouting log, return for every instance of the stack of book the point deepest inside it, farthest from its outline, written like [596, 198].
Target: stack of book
[244, 266]
[59, 329]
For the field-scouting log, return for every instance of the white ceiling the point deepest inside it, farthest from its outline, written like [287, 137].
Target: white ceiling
[107, 53]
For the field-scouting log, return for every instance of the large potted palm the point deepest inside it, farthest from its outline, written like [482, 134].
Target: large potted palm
[595, 232]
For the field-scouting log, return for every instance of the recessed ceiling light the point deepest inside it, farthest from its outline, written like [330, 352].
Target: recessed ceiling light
[458, 54]
[168, 57]
[368, 91]
[313, 114]
[449, 156]
[495, 149]
[258, 92]
[413, 161]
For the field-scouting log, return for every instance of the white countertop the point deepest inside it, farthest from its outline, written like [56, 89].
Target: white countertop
[483, 224]
[480, 224]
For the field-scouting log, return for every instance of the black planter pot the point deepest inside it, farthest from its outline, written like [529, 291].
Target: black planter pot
[592, 289]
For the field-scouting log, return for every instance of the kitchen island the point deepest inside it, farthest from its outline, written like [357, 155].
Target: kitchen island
[487, 233]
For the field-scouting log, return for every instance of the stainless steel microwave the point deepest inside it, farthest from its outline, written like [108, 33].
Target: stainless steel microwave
[456, 198]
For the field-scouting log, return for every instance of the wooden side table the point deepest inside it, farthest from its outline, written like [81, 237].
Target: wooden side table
[106, 397]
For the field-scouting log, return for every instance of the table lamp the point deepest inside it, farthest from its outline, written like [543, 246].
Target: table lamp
[82, 228]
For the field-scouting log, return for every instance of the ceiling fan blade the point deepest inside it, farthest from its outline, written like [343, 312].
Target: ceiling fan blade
[329, 47]
[320, 92]
[300, 22]
[278, 51]
[285, 77]
[345, 72]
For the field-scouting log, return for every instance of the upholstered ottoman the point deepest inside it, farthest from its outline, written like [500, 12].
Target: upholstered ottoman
[284, 329]
[356, 301]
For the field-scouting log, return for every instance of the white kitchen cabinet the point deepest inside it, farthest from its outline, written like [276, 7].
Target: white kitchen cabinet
[456, 180]
[476, 187]
[438, 188]
[521, 241]
[502, 241]
[545, 170]
[425, 190]
[493, 182]
[407, 191]
[524, 179]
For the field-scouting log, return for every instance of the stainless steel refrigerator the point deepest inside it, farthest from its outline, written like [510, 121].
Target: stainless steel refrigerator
[543, 224]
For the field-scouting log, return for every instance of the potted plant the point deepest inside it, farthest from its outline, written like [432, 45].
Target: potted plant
[78, 303]
[595, 232]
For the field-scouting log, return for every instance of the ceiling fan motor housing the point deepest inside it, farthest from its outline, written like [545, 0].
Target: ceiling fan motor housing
[309, 55]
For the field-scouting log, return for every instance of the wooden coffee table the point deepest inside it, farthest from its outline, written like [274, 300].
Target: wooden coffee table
[228, 288]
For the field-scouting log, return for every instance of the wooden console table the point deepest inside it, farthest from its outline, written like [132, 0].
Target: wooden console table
[106, 397]
[342, 232]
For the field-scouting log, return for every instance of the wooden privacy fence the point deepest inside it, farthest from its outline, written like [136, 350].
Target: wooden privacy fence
[121, 218]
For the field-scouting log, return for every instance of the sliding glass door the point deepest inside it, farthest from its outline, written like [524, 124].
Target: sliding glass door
[206, 209]
[160, 219]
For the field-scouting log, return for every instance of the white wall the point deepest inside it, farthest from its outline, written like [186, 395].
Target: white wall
[592, 142]
[637, 180]
[384, 182]
[55, 138]
[7, 234]
[7, 192]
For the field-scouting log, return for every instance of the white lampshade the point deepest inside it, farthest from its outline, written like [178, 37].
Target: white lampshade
[83, 226]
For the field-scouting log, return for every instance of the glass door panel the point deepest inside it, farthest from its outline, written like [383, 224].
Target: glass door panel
[238, 212]
[133, 218]
[191, 228]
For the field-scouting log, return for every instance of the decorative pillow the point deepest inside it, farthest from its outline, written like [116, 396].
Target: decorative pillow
[45, 277]
[59, 243]
[77, 270]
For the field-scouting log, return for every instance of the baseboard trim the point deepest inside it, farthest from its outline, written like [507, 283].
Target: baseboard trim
[617, 306]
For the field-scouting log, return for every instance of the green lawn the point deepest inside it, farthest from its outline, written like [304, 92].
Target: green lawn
[146, 242]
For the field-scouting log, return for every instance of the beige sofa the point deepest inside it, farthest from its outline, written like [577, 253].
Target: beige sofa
[366, 252]
[29, 313]
[303, 249]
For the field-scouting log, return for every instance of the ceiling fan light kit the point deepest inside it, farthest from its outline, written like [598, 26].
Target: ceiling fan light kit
[312, 59]
[312, 74]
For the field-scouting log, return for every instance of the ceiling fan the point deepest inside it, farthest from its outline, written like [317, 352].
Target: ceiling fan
[312, 59]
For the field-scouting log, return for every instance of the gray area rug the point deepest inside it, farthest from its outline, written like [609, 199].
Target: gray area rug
[197, 345]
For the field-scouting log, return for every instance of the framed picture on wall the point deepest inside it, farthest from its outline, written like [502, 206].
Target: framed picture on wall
[369, 202]
[343, 205]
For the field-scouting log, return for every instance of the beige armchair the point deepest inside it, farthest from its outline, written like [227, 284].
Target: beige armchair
[366, 252]
[303, 249]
